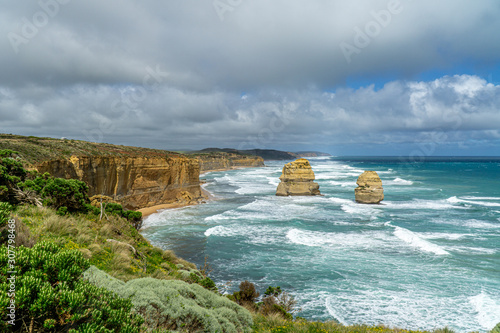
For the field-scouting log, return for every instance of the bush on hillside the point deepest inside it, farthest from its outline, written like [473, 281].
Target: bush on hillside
[496, 329]
[114, 208]
[50, 295]
[176, 305]
[11, 173]
[69, 193]
[5, 209]
[247, 295]
[277, 301]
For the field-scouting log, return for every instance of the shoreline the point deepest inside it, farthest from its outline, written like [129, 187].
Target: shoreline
[148, 211]
[157, 208]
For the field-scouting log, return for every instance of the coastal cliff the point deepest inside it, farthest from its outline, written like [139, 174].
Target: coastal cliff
[135, 177]
[224, 161]
[136, 182]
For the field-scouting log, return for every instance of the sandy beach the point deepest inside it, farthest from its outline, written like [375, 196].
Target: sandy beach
[155, 209]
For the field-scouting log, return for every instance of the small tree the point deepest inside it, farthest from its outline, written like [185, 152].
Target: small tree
[278, 301]
[70, 193]
[247, 294]
[11, 173]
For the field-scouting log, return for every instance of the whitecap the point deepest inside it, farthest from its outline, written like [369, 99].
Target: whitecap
[394, 308]
[472, 250]
[415, 241]
[480, 198]
[421, 204]
[478, 224]
[274, 181]
[474, 202]
[398, 182]
[257, 234]
[354, 208]
[340, 240]
[220, 231]
[487, 310]
[343, 184]
[444, 235]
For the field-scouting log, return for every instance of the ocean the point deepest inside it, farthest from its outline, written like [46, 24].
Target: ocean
[427, 257]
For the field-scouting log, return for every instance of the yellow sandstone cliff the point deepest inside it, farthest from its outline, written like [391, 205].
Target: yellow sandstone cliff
[135, 182]
[133, 176]
[225, 161]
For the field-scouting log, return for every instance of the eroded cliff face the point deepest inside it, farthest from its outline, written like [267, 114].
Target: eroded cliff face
[136, 182]
[224, 161]
[369, 190]
[297, 179]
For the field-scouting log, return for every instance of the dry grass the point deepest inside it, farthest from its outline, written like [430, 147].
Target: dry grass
[275, 323]
[90, 235]
[36, 150]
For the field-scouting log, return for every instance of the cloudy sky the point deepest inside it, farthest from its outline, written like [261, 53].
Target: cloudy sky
[359, 77]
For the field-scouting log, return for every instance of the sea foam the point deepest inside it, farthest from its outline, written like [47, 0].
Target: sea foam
[475, 202]
[398, 182]
[414, 240]
[487, 310]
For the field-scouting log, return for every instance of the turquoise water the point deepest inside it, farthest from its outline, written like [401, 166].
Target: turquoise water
[427, 257]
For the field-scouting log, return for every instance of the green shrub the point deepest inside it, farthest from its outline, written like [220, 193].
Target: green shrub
[37, 183]
[278, 302]
[11, 173]
[50, 295]
[496, 329]
[114, 208]
[177, 305]
[62, 211]
[132, 215]
[5, 209]
[91, 209]
[247, 294]
[273, 291]
[71, 193]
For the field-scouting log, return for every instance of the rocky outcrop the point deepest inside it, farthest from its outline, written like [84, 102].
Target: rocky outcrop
[135, 182]
[297, 179]
[369, 190]
[226, 161]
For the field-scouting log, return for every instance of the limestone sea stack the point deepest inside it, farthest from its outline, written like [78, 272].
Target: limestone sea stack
[369, 190]
[297, 179]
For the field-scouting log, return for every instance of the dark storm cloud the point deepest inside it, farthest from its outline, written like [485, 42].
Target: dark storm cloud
[246, 73]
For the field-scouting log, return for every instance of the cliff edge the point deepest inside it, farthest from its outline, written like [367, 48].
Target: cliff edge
[135, 177]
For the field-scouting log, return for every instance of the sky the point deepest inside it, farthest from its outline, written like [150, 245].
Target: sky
[359, 77]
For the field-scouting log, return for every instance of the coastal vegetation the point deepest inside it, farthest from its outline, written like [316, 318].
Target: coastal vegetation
[84, 267]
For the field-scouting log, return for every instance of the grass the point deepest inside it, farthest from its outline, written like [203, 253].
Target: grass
[113, 245]
[35, 150]
[276, 324]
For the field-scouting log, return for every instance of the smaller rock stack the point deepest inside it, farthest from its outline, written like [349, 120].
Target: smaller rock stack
[297, 179]
[369, 190]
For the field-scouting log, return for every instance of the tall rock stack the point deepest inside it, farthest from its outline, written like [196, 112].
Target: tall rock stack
[297, 179]
[369, 190]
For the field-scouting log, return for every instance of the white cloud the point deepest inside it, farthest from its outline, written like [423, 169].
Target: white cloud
[270, 73]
